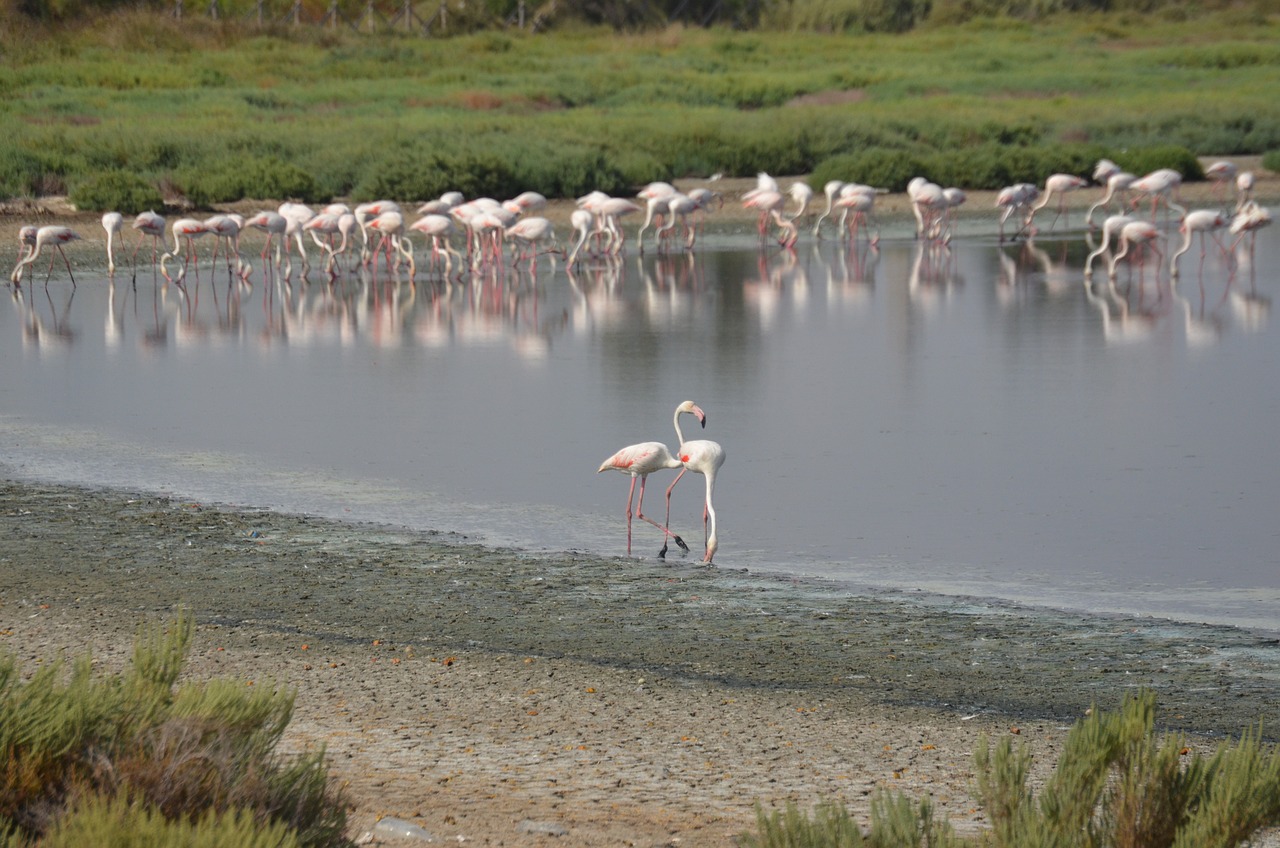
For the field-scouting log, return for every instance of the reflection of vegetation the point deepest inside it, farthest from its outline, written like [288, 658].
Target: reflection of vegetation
[222, 111]
[135, 759]
[1117, 785]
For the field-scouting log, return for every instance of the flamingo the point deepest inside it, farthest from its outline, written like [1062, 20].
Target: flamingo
[226, 228]
[656, 206]
[831, 190]
[365, 213]
[1117, 183]
[583, 222]
[1221, 173]
[525, 202]
[189, 229]
[531, 232]
[1248, 221]
[151, 224]
[855, 203]
[112, 222]
[766, 202]
[391, 225]
[271, 223]
[1161, 186]
[1015, 198]
[438, 228]
[1200, 221]
[926, 200]
[1135, 232]
[704, 457]
[1058, 184]
[802, 194]
[1111, 228]
[610, 210]
[53, 235]
[26, 244]
[1244, 189]
[641, 460]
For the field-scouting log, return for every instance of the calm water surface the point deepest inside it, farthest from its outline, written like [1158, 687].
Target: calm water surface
[971, 422]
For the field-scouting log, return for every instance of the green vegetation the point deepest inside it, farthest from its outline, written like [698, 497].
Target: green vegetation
[1118, 784]
[137, 760]
[222, 110]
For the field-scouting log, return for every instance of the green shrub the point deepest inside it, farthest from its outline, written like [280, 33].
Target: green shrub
[1118, 784]
[896, 822]
[231, 179]
[119, 190]
[1144, 160]
[1271, 160]
[121, 823]
[190, 753]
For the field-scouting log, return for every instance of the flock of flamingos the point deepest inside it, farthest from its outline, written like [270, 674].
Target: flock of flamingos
[486, 226]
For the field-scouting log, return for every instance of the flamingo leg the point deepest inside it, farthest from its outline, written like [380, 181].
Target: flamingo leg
[666, 532]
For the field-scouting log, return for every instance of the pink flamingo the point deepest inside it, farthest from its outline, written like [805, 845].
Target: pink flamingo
[150, 224]
[704, 457]
[1248, 221]
[112, 222]
[1222, 173]
[1111, 228]
[438, 228]
[226, 228]
[583, 223]
[856, 203]
[529, 233]
[53, 235]
[1015, 199]
[1161, 186]
[1244, 189]
[1200, 221]
[391, 225]
[641, 460]
[273, 224]
[189, 229]
[1058, 184]
[1118, 183]
[26, 244]
[1141, 233]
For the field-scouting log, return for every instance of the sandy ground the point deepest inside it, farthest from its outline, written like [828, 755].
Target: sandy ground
[497, 698]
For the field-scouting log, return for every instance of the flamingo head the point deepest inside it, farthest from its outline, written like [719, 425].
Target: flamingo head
[693, 409]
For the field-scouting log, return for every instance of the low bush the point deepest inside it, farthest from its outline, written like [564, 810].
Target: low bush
[122, 191]
[1117, 784]
[137, 745]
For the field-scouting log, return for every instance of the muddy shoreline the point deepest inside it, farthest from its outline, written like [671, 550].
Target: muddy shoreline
[411, 651]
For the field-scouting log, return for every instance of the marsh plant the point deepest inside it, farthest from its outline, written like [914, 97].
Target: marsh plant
[202, 113]
[139, 759]
[1117, 784]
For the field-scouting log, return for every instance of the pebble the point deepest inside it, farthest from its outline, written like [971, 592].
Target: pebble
[393, 826]
[543, 828]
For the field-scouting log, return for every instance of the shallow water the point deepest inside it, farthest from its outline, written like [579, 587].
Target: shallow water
[971, 422]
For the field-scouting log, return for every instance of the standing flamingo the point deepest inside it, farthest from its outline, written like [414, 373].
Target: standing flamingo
[583, 222]
[1222, 173]
[1111, 228]
[641, 460]
[148, 224]
[1200, 221]
[1161, 186]
[1058, 184]
[1015, 199]
[704, 457]
[53, 235]
[1136, 232]
[1244, 189]
[26, 244]
[112, 222]
[189, 229]
[1118, 183]
[273, 224]
[529, 233]
[438, 228]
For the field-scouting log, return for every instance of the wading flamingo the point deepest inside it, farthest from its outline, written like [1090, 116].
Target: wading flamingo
[704, 457]
[1162, 187]
[1140, 233]
[112, 222]
[1058, 184]
[189, 229]
[1015, 199]
[1111, 228]
[148, 224]
[643, 459]
[52, 235]
[1202, 221]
